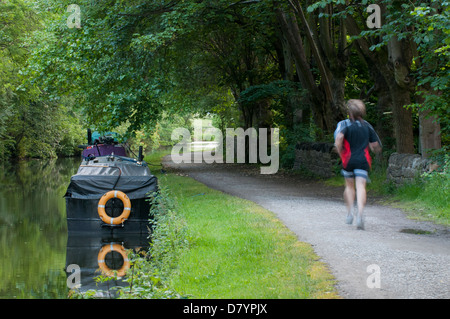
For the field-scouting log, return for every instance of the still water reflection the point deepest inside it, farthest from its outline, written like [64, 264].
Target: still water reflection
[33, 231]
[34, 244]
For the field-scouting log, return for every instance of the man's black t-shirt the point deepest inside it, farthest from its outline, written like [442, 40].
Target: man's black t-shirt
[357, 136]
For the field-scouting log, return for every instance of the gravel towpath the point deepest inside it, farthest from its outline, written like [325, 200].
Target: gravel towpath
[408, 258]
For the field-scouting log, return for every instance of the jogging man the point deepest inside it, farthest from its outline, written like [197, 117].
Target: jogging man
[353, 139]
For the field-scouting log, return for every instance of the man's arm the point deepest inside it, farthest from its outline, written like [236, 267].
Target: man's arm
[338, 142]
[374, 140]
[375, 147]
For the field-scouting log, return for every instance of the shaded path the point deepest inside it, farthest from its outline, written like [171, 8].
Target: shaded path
[411, 265]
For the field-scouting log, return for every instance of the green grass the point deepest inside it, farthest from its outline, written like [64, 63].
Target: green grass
[238, 249]
[425, 199]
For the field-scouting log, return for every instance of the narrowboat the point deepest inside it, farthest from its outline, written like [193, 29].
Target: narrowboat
[111, 192]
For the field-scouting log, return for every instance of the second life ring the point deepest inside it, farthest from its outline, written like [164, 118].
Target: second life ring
[101, 260]
[126, 207]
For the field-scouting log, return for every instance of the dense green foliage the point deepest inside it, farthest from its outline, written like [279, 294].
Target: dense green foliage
[32, 123]
[258, 63]
[427, 25]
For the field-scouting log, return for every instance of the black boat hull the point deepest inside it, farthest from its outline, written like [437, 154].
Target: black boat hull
[82, 216]
[83, 252]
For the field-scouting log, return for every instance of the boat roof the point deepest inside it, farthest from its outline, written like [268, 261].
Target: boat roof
[113, 165]
[97, 176]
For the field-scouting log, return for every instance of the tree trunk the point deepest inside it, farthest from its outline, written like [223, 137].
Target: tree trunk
[429, 133]
[401, 86]
[338, 104]
[384, 105]
[286, 67]
[290, 30]
[331, 60]
[402, 119]
[336, 57]
[393, 66]
[321, 109]
[429, 127]
[263, 117]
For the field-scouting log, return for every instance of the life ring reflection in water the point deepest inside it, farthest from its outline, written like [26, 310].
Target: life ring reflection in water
[109, 248]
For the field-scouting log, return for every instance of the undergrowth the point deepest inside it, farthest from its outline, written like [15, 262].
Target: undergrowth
[428, 197]
[149, 269]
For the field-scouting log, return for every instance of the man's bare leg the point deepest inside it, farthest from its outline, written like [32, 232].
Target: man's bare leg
[349, 198]
[361, 197]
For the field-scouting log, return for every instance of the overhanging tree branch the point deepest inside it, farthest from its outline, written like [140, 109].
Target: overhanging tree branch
[309, 35]
[163, 9]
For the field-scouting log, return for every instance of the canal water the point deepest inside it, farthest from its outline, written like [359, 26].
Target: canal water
[35, 247]
[33, 230]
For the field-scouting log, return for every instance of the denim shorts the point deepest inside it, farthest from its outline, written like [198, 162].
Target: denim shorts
[356, 173]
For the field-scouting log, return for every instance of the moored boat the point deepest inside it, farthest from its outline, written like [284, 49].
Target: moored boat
[110, 193]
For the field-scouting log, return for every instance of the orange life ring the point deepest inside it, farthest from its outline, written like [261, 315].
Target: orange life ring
[101, 260]
[126, 207]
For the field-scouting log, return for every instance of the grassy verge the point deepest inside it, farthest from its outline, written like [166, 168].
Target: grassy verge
[237, 249]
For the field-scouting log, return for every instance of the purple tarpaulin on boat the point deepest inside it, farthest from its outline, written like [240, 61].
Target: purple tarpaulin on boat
[104, 149]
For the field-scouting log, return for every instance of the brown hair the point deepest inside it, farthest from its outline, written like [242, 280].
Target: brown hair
[356, 109]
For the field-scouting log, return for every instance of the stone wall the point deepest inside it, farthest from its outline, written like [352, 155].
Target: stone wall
[406, 167]
[317, 158]
[321, 159]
